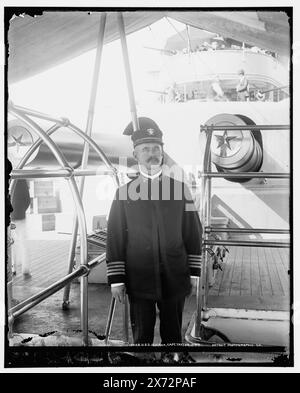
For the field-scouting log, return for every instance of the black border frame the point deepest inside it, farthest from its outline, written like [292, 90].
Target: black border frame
[26, 357]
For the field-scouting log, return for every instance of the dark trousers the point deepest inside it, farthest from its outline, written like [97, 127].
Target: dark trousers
[143, 318]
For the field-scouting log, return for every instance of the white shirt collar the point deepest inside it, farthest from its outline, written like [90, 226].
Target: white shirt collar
[151, 177]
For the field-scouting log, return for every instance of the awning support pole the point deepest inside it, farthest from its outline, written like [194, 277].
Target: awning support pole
[128, 72]
[84, 161]
[135, 127]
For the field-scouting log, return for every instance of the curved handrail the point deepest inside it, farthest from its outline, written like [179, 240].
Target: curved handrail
[29, 153]
[76, 197]
[45, 137]
[64, 164]
[98, 150]
[61, 123]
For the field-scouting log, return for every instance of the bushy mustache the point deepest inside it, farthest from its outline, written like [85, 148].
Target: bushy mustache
[155, 160]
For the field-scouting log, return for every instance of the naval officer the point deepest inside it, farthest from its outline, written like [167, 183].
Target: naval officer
[153, 242]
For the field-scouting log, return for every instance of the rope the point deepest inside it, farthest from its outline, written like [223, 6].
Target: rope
[178, 32]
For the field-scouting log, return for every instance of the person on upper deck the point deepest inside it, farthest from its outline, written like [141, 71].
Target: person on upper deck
[242, 87]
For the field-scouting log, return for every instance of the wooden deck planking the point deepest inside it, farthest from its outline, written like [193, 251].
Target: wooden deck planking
[235, 282]
[51, 266]
[48, 264]
[284, 254]
[275, 280]
[255, 280]
[246, 272]
[44, 271]
[227, 275]
[46, 249]
[266, 285]
[282, 272]
[48, 259]
[253, 271]
[214, 289]
[284, 266]
[52, 272]
[46, 280]
[250, 273]
[220, 273]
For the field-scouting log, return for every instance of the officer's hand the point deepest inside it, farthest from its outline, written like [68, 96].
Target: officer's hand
[118, 292]
[194, 285]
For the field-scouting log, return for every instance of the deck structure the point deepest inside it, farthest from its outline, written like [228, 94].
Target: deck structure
[252, 278]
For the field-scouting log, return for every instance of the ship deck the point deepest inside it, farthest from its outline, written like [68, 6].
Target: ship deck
[252, 278]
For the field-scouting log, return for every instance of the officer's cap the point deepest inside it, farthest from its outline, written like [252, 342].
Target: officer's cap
[148, 132]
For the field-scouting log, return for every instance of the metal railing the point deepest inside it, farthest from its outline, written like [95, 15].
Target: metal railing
[247, 230]
[253, 127]
[27, 304]
[68, 173]
[249, 175]
[64, 172]
[205, 215]
[246, 243]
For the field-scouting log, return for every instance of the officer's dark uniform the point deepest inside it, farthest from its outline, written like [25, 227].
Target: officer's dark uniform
[154, 246]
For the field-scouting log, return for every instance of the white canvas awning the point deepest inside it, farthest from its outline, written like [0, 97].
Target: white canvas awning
[43, 41]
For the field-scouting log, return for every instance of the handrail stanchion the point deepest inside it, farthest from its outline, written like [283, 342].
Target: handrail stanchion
[207, 223]
[203, 205]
